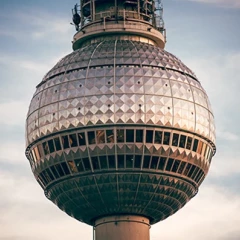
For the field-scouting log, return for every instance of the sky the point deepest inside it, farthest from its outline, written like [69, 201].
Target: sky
[34, 35]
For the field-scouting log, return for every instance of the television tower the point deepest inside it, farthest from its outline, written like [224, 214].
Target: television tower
[120, 133]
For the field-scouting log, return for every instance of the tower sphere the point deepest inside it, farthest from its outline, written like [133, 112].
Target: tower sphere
[119, 126]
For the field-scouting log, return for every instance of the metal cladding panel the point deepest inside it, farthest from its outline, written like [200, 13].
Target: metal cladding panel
[119, 82]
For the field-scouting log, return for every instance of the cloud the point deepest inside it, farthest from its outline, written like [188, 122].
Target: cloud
[221, 3]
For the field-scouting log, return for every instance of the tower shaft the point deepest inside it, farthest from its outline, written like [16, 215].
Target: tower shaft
[119, 227]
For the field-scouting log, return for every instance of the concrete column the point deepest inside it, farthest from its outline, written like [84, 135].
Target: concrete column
[122, 228]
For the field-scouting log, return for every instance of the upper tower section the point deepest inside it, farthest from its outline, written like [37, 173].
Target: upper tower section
[139, 20]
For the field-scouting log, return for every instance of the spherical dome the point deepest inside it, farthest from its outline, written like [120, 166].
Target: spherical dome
[120, 127]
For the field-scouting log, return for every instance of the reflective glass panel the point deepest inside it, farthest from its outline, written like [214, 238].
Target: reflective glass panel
[81, 139]
[182, 141]
[65, 168]
[57, 144]
[46, 148]
[129, 161]
[110, 136]
[51, 146]
[146, 161]
[129, 135]
[73, 140]
[86, 164]
[120, 161]
[166, 138]
[91, 137]
[120, 135]
[181, 168]
[111, 161]
[139, 135]
[37, 153]
[154, 162]
[187, 169]
[100, 136]
[65, 142]
[169, 164]
[195, 145]
[79, 165]
[149, 136]
[59, 170]
[137, 161]
[175, 139]
[103, 162]
[48, 172]
[189, 143]
[175, 165]
[72, 166]
[158, 137]
[162, 162]
[55, 173]
[95, 163]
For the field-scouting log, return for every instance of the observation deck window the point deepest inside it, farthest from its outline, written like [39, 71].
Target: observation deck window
[79, 165]
[65, 168]
[46, 148]
[166, 138]
[86, 164]
[111, 161]
[120, 161]
[120, 135]
[51, 146]
[169, 164]
[100, 136]
[95, 163]
[175, 139]
[129, 161]
[139, 135]
[154, 162]
[189, 143]
[182, 141]
[73, 140]
[175, 165]
[146, 161]
[137, 161]
[187, 169]
[91, 137]
[103, 162]
[149, 136]
[110, 136]
[129, 135]
[81, 139]
[59, 170]
[55, 173]
[158, 137]
[191, 171]
[181, 167]
[162, 163]
[57, 144]
[72, 166]
[195, 145]
[65, 142]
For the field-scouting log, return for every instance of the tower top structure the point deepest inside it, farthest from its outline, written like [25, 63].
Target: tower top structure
[137, 20]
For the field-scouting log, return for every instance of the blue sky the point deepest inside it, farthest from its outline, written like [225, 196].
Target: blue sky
[34, 35]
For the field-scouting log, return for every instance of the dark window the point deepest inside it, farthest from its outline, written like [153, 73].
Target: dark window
[154, 162]
[103, 162]
[72, 166]
[206, 151]
[111, 161]
[79, 165]
[149, 136]
[137, 161]
[45, 177]
[191, 171]
[41, 182]
[51, 146]
[158, 137]
[146, 161]
[91, 137]
[175, 166]
[65, 168]
[59, 170]
[181, 168]
[195, 145]
[129, 135]
[189, 143]
[57, 144]
[81, 139]
[86, 164]
[162, 162]
[46, 148]
[129, 161]
[166, 138]
[169, 164]
[120, 135]
[139, 136]
[73, 140]
[95, 163]
[55, 173]
[110, 136]
[100, 136]
[187, 169]
[182, 141]
[49, 174]
[175, 139]
[120, 161]
[65, 142]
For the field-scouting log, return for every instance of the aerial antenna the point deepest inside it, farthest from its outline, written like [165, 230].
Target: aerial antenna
[159, 18]
[76, 18]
